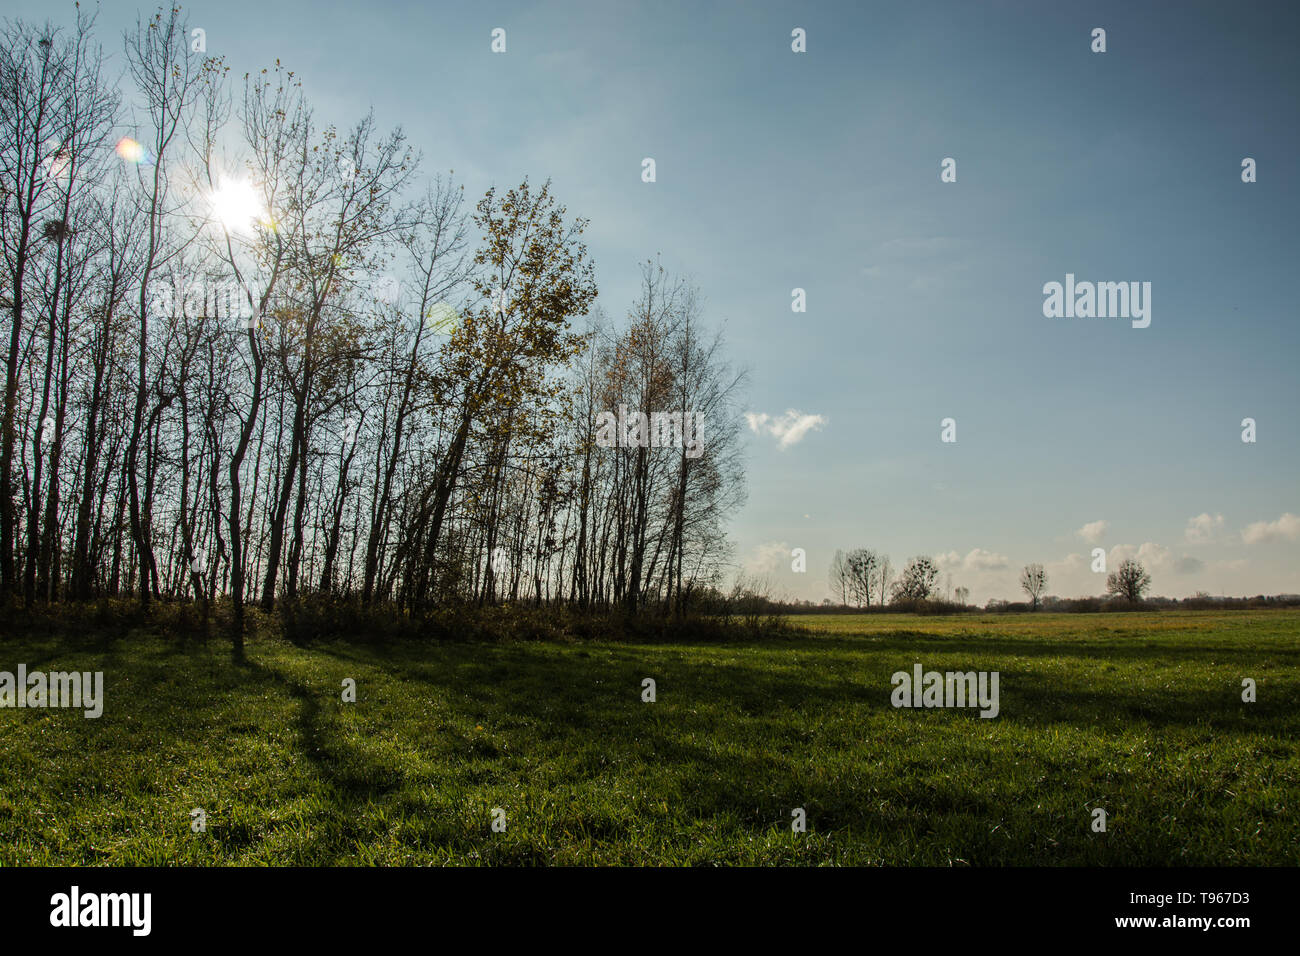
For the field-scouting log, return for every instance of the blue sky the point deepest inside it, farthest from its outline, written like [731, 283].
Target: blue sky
[820, 170]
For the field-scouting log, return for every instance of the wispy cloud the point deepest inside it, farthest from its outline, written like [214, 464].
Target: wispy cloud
[1202, 528]
[767, 558]
[1092, 532]
[1152, 556]
[789, 429]
[1285, 528]
[977, 559]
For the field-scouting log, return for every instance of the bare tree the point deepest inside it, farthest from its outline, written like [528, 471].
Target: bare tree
[346, 203]
[1033, 581]
[884, 579]
[438, 266]
[863, 566]
[167, 78]
[839, 577]
[273, 124]
[37, 70]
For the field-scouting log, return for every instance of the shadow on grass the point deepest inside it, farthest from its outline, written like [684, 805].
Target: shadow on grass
[563, 690]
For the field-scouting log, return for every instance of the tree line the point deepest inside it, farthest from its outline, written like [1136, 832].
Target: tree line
[861, 577]
[252, 356]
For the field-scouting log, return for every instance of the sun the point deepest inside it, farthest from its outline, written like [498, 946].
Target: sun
[236, 205]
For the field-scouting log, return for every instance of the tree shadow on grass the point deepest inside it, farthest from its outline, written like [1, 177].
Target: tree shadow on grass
[567, 692]
[592, 694]
[1083, 647]
[561, 692]
[345, 767]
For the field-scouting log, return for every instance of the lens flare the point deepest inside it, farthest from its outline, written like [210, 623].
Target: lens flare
[441, 318]
[130, 150]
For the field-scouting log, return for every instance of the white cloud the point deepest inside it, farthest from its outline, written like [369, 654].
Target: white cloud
[768, 558]
[981, 560]
[976, 560]
[1093, 530]
[949, 561]
[1071, 576]
[1070, 564]
[1152, 556]
[1156, 558]
[789, 429]
[1202, 528]
[1285, 528]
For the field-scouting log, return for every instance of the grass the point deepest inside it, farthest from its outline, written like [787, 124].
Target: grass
[1139, 714]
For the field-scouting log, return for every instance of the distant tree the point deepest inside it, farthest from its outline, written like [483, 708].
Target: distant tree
[839, 577]
[861, 565]
[917, 581]
[963, 595]
[1033, 581]
[1129, 581]
[884, 577]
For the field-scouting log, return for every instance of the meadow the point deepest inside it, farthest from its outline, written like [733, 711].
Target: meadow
[1140, 714]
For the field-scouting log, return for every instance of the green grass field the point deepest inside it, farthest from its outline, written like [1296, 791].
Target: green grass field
[1139, 714]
